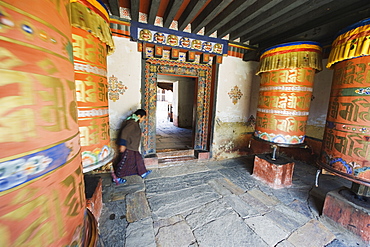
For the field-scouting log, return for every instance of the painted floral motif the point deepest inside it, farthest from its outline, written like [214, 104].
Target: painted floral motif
[363, 91]
[15, 172]
[235, 94]
[115, 88]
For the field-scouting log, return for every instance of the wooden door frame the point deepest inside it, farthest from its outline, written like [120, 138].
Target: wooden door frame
[203, 72]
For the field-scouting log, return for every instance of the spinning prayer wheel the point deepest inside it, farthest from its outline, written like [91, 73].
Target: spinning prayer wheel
[41, 181]
[287, 73]
[346, 144]
[92, 40]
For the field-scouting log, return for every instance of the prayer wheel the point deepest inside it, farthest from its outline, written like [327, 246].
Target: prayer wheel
[346, 144]
[287, 74]
[91, 42]
[42, 201]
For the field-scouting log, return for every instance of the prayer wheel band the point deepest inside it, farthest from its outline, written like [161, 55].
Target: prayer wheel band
[91, 16]
[290, 56]
[351, 42]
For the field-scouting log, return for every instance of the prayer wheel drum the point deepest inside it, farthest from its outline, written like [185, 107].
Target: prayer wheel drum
[287, 74]
[346, 144]
[91, 42]
[41, 180]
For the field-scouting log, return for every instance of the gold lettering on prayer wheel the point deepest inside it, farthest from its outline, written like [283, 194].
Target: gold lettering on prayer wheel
[287, 73]
[346, 145]
[90, 57]
[42, 197]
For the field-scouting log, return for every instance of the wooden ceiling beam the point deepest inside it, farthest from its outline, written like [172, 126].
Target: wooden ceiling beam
[285, 6]
[310, 20]
[232, 10]
[114, 7]
[172, 8]
[154, 5]
[134, 9]
[243, 18]
[209, 12]
[284, 19]
[190, 12]
[341, 18]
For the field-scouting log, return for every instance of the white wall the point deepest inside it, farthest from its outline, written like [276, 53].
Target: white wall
[230, 129]
[125, 64]
[234, 72]
[186, 102]
[320, 102]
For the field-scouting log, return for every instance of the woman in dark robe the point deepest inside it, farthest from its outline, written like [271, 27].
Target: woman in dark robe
[129, 161]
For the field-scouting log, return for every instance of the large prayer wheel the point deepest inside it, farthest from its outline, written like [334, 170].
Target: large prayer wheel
[287, 74]
[91, 42]
[42, 200]
[346, 145]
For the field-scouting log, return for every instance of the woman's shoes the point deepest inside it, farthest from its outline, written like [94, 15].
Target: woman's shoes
[146, 174]
[119, 181]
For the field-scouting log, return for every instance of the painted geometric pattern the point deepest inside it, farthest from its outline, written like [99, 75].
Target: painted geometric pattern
[235, 94]
[203, 72]
[115, 88]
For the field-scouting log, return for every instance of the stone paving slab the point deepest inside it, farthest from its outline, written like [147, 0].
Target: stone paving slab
[290, 213]
[322, 235]
[255, 203]
[239, 177]
[241, 208]
[173, 203]
[233, 188]
[166, 222]
[113, 220]
[287, 223]
[178, 234]
[218, 187]
[209, 212]
[267, 229]
[230, 231]
[169, 184]
[137, 207]
[264, 198]
[140, 234]
[179, 170]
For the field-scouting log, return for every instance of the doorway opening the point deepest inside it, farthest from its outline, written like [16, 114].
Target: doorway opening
[175, 113]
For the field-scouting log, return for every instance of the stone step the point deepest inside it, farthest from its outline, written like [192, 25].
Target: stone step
[176, 159]
[176, 153]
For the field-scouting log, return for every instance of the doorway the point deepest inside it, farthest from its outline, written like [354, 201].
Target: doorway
[175, 113]
[203, 85]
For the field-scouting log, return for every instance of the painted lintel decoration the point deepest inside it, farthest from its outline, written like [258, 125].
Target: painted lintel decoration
[158, 51]
[235, 94]
[174, 54]
[167, 37]
[204, 58]
[115, 88]
[190, 56]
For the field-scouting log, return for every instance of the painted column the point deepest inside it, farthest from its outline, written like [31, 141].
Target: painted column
[92, 42]
[287, 73]
[42, 201]
[346, 145]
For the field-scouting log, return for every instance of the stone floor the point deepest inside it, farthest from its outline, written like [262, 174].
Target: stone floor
[169, 137]
[219, 203]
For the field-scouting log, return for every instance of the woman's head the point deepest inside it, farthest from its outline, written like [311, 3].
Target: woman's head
[140, 112]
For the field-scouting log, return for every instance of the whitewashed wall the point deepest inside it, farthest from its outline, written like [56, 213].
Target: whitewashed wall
[230, 128]
[125, 64]
[320, 103]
